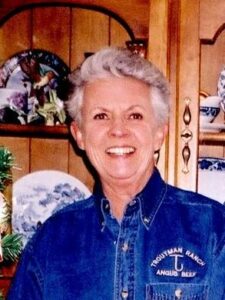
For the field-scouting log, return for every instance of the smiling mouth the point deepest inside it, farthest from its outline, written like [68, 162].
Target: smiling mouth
[120, 150]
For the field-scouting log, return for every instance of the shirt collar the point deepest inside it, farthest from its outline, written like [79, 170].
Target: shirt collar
[150, 198]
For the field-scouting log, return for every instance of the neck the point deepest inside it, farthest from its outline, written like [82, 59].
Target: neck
[118, 202]
[120, 194]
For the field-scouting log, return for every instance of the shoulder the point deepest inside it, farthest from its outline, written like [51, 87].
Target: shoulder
[76, 208]
[73, 213]
[203, 214]
[201, 211]
[196, 208]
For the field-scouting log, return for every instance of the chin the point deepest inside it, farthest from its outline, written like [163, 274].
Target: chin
[123, 176]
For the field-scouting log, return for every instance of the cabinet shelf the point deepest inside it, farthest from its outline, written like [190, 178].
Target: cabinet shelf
[58, 131]
[212, 138]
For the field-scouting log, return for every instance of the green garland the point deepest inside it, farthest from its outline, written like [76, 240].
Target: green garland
[6, 163]
[11, 247]
[11, 243]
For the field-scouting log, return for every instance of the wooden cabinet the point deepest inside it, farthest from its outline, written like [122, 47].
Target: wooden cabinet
[200, 60]
[186, 40]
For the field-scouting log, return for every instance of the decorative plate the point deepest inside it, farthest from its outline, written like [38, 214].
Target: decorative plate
[211, 178]
[41, 75]
[221, 88]
[212, 127]
[38, 195]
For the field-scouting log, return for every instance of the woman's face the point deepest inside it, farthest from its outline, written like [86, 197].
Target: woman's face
[118, 130]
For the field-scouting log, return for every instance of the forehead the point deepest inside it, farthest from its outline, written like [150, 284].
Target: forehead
[117, 89]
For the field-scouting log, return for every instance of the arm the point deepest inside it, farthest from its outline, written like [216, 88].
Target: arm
[217, 279]
[217, 290]
[28, 281]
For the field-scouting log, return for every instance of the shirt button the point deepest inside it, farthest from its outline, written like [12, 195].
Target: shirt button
[178, 294]
[146, 220]
[125, 247]
[132, 202]
[124, 294]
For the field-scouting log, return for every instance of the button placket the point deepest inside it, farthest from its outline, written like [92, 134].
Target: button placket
[124, 259]
[125, 247]
[146, 220]
[178, 294]
[124, 294]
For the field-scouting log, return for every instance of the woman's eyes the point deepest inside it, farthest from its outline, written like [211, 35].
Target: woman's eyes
[136, 116]
[105, 116]
[101, 116]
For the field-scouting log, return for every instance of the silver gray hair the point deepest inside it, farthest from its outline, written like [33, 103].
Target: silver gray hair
[119, 62]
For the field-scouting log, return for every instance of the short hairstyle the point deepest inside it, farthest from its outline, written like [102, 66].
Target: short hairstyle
[119, 62]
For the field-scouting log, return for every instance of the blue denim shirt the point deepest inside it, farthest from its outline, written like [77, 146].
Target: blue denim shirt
[169, 245]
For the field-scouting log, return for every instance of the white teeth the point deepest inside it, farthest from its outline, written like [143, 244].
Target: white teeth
[120, 150]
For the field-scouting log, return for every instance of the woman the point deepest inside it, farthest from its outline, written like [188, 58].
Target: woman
[136, 237]
[120, 110]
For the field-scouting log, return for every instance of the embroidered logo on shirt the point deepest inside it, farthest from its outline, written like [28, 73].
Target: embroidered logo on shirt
[178, 256]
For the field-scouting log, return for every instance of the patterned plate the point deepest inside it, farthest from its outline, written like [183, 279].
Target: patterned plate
[38, 195]
[211, 178]
[212, 127]
[38, 73]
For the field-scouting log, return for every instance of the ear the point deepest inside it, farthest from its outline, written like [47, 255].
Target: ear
[77, 134]
[160, 135]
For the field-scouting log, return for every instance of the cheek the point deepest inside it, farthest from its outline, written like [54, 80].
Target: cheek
[150, 138]
[146, 135]
[95, 132]
[92, 140]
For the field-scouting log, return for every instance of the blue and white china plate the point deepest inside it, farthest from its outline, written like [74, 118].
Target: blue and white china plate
[212, 127]
[34, 72]
[40, 194]
[221, 88]
[211, 178]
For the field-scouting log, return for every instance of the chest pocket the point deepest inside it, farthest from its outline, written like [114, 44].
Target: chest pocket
[176, 291]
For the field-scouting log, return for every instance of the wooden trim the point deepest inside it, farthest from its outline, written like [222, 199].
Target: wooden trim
[188, 88]
[212, 138]
[158, 55]
[60, 131]
[132, 14]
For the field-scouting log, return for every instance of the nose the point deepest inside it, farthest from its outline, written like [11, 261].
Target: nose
[118, 128]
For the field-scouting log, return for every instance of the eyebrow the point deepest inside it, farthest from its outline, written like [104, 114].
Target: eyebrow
[99, 108]
[129, 108]
[135, 106]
